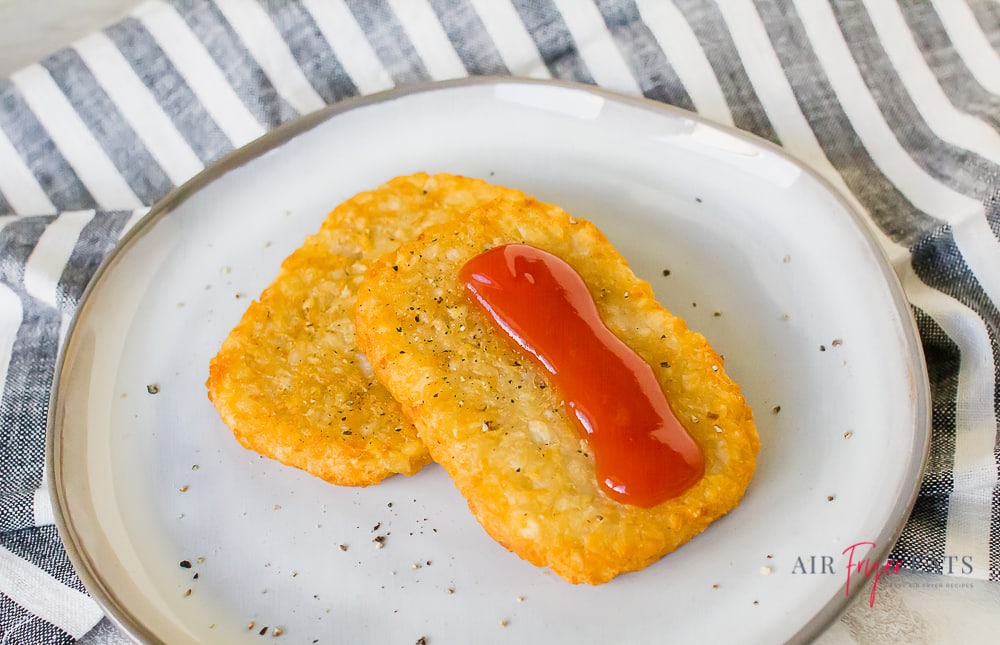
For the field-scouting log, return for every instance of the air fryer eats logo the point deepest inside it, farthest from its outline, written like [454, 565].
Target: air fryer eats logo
[858, 567]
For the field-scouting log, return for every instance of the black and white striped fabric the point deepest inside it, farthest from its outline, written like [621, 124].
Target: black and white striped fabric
[896, 103]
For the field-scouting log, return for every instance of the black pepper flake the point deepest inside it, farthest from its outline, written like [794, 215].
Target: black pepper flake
[822, 348]
[837, 342]
[776, 409]
[664, 364]
[153, 388]
[422, 640]
[830, 498]
[343, 547]
[263, 630]
[185, 564]
[395, 267]
[666, 272]
[376, 527]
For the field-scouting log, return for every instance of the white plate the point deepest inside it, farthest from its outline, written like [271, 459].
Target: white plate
[763, 258]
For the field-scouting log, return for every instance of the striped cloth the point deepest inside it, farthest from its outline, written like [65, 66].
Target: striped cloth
[897, 104]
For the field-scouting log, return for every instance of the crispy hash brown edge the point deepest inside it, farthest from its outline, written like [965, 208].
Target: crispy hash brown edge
[489, 418]
[289, 381]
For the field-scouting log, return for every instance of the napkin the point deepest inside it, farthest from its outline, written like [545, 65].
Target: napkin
[898, 106]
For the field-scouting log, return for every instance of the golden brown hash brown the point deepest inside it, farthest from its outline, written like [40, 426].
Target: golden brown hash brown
[289, 380]
[487, 416]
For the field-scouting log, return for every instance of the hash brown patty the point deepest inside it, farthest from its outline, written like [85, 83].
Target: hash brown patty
[289, 380]
[487, 415]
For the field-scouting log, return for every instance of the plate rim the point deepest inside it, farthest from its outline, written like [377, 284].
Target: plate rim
[119, 614]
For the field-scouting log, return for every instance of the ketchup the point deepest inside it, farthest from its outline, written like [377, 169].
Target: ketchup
[643, 454]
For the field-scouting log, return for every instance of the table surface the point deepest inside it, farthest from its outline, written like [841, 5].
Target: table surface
[910, 607]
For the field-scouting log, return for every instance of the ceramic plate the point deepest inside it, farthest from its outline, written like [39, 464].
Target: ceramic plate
[182, 535]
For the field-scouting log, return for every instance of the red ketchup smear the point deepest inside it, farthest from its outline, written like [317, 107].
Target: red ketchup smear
[643, 454]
